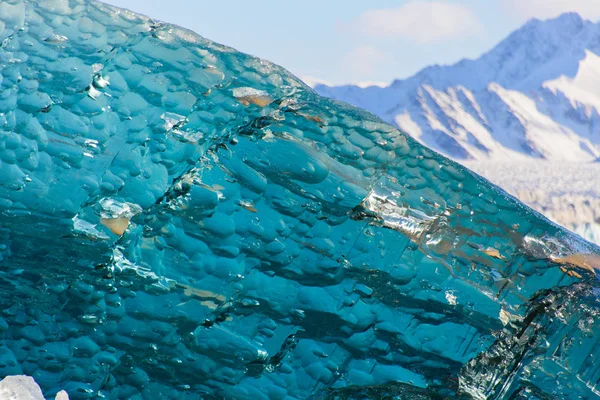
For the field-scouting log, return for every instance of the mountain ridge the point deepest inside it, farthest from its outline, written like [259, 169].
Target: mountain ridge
[529, 97]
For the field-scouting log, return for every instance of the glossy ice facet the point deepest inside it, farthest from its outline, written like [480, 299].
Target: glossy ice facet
[180, 220]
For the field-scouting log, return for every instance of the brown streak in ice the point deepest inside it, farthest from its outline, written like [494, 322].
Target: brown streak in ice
[261, 101]
[589, 262]
[116, 225]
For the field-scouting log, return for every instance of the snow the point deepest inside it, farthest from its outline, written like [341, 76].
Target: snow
[366, 84]
[521, 100]
[584, 88]
[552, 140]
[407, 124]
[312, 81]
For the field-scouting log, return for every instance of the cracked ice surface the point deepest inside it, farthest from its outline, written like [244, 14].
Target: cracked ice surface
[180, 220]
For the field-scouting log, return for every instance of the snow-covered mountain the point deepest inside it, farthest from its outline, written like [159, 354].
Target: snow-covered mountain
[536, 95]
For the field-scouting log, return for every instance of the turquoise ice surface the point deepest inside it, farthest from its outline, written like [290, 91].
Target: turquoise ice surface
[179, 220]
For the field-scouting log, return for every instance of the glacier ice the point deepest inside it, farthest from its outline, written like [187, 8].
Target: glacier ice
[180, 221]
[21, 387]
[566, 193]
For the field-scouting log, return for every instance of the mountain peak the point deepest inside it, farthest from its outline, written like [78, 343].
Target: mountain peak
[569, 17]
[563, 26]
[534, 95]
[538, 51]
[565, 19]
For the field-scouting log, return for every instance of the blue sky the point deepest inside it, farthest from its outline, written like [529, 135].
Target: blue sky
[354, 41]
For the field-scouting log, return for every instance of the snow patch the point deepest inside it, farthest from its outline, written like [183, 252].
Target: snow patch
[583, 88]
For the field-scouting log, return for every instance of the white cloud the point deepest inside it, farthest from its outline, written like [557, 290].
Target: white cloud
[364, 60]
[542, 9]
[423, 21]
[366, 84]
[312, 81]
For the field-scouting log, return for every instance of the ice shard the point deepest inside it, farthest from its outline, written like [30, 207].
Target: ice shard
[180, 220]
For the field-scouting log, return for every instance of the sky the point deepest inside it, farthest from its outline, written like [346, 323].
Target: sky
[357, 41]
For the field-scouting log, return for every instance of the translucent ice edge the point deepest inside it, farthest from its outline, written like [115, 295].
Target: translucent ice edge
[180, 220]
